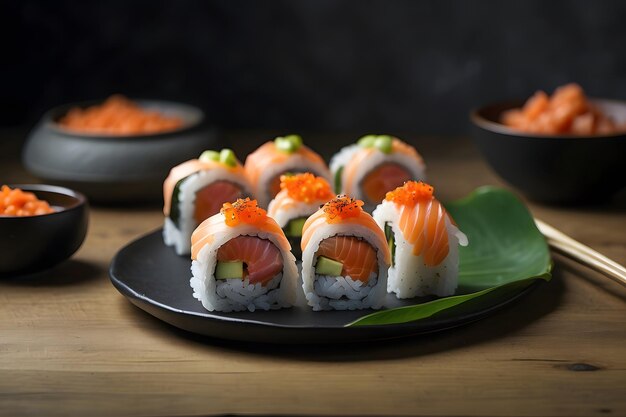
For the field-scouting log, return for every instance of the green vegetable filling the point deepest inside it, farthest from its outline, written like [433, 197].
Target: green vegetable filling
[327, 266]
[294, 227]
[383, 143]
[289, 143]
[391, 240]
[338, 183]
[175, 205]
[229, 270]
[225, 156]
[209, 156]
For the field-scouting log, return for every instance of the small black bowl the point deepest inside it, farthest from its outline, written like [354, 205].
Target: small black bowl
[116, 168]
[561, 169]
[34, 243]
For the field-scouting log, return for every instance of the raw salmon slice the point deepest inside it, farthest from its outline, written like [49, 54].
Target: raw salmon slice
[357, 256]
[424, 226]
[209, 199]
[262, 259]
[385, 177]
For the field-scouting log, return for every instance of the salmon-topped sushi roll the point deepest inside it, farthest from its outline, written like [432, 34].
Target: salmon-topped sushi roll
[345, 258]
[374, 165]
[283, 155]
[301, 195]
[195, 190]
[423, 240]
[242, 261]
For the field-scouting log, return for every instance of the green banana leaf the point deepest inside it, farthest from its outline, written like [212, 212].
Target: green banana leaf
[505, 255]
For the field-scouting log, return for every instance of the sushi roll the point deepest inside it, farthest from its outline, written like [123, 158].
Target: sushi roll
[374, 165]
[301, 195]
[195, 190]
[242, 261]
[282, 155]
[424, 242]
[345, 258]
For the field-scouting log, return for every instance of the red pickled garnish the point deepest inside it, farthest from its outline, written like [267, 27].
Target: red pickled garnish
[18, 203]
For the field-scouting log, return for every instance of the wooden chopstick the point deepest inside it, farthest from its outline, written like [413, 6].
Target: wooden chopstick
[575, 250]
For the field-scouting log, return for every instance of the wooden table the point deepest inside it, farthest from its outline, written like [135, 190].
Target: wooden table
[71, 344]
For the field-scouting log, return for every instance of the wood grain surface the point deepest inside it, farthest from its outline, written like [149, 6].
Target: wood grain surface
[70, 344]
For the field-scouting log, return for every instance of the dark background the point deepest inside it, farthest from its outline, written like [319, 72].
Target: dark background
[321, 65]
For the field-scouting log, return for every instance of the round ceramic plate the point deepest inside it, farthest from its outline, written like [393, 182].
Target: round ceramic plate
[156, 280]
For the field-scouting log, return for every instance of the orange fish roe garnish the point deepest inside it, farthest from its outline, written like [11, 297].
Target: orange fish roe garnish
[411, 193]
[15, 202]
[118, 116]
[342, 207]
[306, 187]
[243, 211]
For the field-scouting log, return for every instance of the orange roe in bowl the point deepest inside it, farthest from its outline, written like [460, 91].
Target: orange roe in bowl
[567, 112]
[118, 116]
[411, 193]
[341, 208]
[306, 187]
[243, 211]
[18, 203]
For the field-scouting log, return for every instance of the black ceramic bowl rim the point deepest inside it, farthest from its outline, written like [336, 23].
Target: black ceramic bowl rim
[195, 117]
[477, 117]
[78, 199]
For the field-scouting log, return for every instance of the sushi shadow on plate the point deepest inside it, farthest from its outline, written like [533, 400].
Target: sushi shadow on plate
[509, 320]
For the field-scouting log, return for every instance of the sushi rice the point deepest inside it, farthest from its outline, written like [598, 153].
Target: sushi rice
[342, 293]
[239, 294]
[409, 275]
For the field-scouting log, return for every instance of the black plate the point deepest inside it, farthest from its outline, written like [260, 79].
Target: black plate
[156, 280]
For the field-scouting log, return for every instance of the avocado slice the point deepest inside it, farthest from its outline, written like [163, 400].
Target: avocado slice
[289, 143]
[229, 270]
[384, 144]
[391, 240]
[227, 157]
[294, 227]
[209, 156]
[327, 266]
[338, 180]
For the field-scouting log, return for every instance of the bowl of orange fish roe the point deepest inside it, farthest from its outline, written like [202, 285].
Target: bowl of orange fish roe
[42, 225]
[556, 148]
[117, 150]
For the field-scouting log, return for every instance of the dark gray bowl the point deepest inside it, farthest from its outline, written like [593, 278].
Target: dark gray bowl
[116, 168]
[34, 243]
[563, 169]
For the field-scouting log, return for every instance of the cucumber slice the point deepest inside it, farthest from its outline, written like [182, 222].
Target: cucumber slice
[327, 266]
[294, 227]
[391, 240]
[229, 270]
